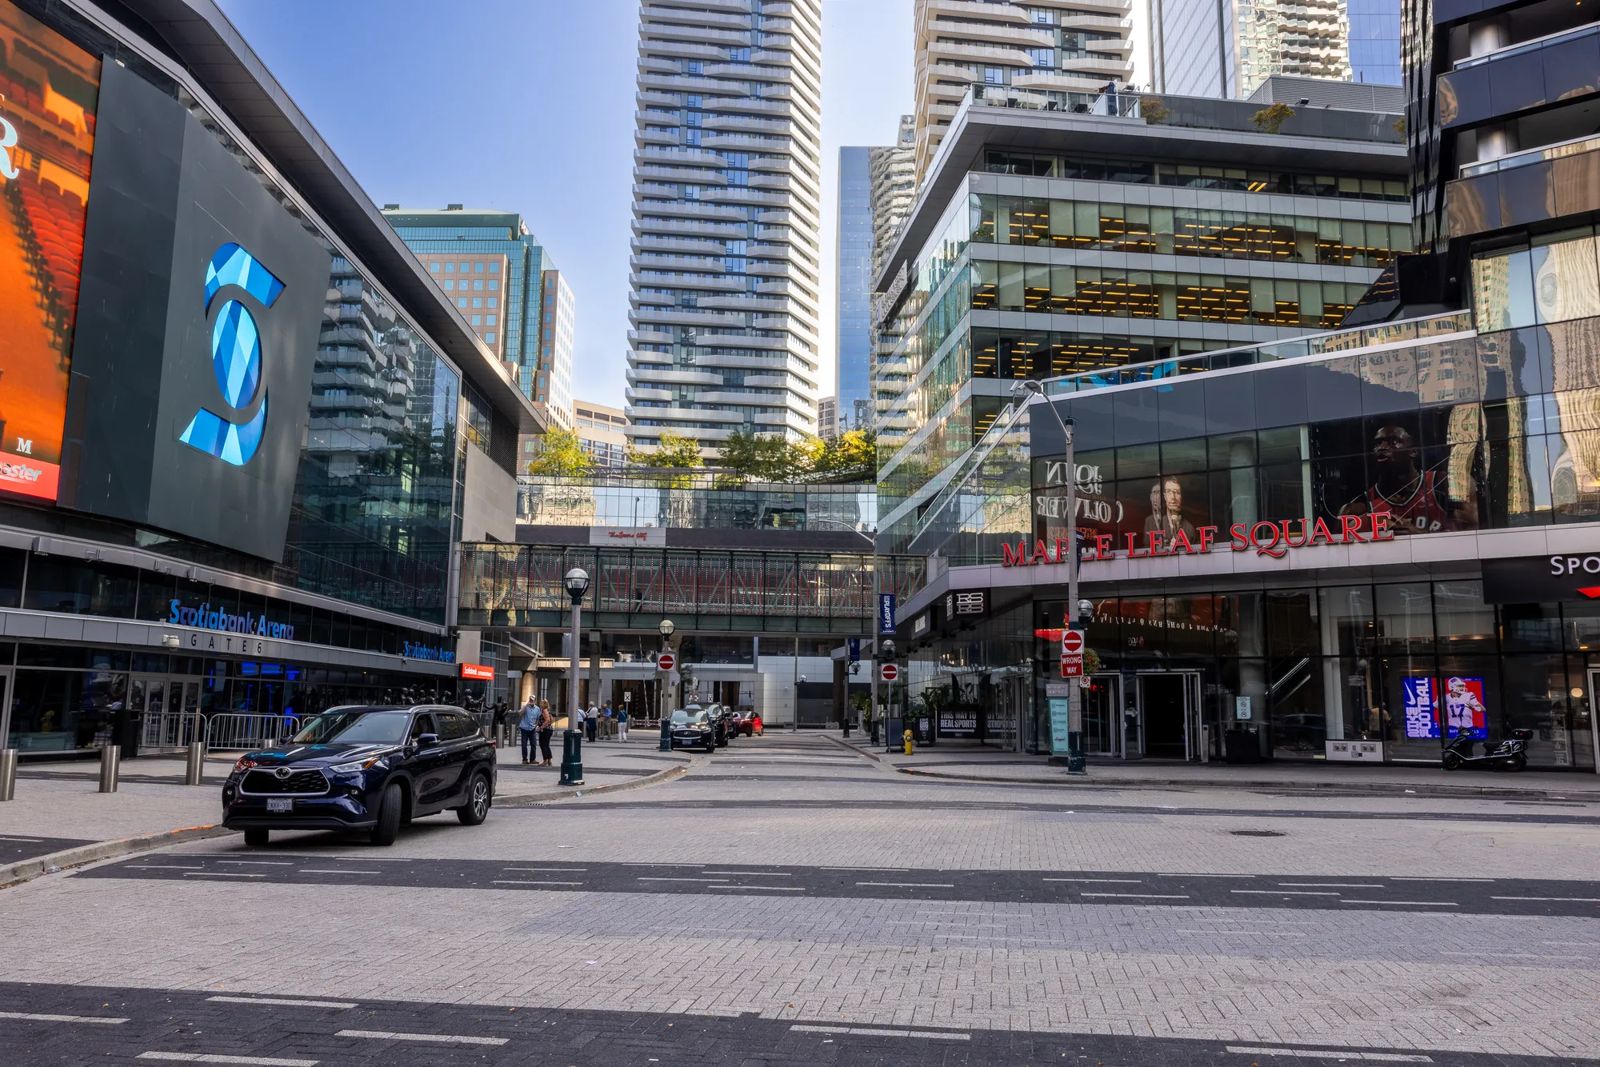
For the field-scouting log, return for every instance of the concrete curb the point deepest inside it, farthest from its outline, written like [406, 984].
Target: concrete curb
[15, 874]
[529, 800]
[1328, 788]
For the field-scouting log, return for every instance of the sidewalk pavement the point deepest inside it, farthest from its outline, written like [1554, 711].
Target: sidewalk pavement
[969, 761]
[59, 819]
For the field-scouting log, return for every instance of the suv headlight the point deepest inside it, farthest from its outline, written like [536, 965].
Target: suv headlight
[244, 764]
[357, 767]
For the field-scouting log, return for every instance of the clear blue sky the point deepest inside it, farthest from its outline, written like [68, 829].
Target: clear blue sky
[527, 105]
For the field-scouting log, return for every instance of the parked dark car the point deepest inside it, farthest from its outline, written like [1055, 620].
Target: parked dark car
[693, 727]
[367, 768]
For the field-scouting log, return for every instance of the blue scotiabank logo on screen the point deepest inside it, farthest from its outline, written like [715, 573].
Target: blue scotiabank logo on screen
[235, 358]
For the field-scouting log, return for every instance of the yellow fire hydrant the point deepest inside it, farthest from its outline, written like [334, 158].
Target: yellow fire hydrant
[906, 737]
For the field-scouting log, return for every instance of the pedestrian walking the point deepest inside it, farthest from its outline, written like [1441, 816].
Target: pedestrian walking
[547, 726]
[608, 725]
[591, 723]
[528, 727]
[622, 723]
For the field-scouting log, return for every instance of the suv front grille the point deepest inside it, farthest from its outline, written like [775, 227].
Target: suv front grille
[300, 782]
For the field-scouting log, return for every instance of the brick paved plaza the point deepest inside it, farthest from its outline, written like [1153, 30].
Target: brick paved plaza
[792, 900]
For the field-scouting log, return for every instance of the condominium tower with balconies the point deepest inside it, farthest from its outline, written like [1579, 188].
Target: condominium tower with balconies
[726, 220]
[1063, 45]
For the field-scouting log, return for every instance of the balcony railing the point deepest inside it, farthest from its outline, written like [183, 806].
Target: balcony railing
[1573, 147]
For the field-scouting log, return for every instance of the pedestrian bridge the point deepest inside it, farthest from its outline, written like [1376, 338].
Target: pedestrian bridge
[519, 586]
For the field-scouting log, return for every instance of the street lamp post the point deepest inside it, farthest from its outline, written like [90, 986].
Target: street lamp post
[664, 695]
[1074, 615]
[577, 583]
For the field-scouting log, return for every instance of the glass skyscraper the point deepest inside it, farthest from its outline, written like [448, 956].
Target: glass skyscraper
[505, 286]
[854, 333]
[1375, 41]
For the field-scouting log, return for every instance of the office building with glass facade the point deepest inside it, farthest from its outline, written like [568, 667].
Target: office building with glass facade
[1353, 546]
[854, 340]
[505, 285]
[244, 432]
[1051, 241]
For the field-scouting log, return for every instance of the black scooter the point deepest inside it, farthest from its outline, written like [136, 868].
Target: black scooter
[1510, 754]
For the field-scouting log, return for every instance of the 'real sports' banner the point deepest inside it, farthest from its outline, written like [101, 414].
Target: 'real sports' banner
[49, 90]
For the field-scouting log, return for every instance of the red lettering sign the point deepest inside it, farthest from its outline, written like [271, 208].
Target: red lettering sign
[1266, 538]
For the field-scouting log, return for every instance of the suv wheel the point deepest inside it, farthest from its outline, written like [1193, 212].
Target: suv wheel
[256, 836]
[388, 827]
[476, 809]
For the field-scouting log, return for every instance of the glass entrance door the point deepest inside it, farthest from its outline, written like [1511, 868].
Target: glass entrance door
[1169, 714]
[1102, 716]
[1594, 717]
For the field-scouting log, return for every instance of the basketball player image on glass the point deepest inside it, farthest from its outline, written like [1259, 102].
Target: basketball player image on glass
[1412, 496]
[1166, 512]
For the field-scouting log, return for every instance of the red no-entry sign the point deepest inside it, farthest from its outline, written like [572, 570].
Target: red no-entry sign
[890, 671]
[1071, 653]
[666, 661]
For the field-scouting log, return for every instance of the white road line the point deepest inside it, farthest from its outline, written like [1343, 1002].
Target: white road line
[548, 870]
[913, 885]
[1333, 885]
[1576, 900]
[870, 1031]
[1140, 896]
[261, 863]
[753, 874]
[39, 1017]
[13, 837]
[161, 867]
[1421, 878]
[223, 874]
[211, 1057]
[763, 888]
[1330, 1054]
[284, 1002]
[889, 870]
[1408, 903]
[1286, 892]
[1190, 874]
[528, 881]
[331, 870]
[1099, 881]
[643, 879]
[443, 1039]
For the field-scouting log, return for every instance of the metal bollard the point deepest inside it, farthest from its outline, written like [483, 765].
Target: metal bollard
[8, 773]
[194, 769]
[110, 767]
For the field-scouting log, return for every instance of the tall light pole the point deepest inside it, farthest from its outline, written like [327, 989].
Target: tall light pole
[1023, 392]
[577, 583]
[664, 696]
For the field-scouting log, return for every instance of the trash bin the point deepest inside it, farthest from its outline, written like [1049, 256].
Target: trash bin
[1239, 745]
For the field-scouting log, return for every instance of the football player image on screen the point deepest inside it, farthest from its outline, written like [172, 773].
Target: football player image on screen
[1412, 496]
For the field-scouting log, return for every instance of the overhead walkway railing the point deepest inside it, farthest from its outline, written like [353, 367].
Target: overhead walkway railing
[506, 586]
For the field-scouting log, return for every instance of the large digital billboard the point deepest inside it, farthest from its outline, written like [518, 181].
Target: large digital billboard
[48, 94]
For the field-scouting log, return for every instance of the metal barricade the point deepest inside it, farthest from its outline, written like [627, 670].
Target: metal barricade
[170, 731]
[239, 730]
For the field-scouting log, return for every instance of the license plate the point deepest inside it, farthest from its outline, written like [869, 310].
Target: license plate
[280, 804]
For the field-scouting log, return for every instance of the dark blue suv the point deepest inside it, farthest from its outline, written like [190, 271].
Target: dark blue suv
[364, 768]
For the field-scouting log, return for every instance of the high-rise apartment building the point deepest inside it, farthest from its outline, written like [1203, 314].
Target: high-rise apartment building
[1059, 45]
[602, 431]
[504, 285]
[726, 219]
[1229, 47]
[894, 186]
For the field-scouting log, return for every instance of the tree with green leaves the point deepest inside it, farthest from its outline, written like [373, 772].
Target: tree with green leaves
[561, 455]
[676, 452]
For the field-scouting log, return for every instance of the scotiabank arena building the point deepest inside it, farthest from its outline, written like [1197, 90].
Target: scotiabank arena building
[241, 432]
